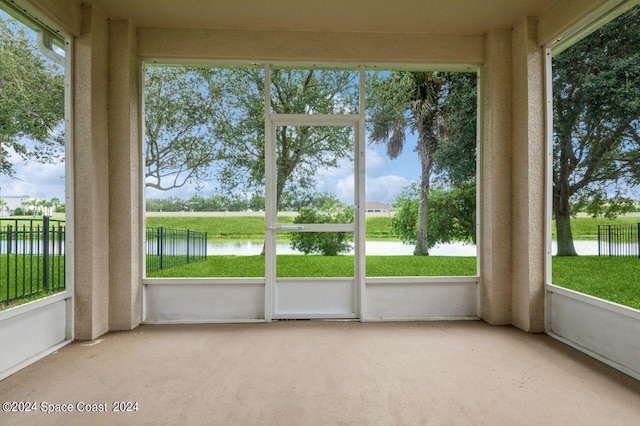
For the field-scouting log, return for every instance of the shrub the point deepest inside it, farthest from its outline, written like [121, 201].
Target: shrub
[325, 243]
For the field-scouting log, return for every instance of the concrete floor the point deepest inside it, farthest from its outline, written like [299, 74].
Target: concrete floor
[326, 373]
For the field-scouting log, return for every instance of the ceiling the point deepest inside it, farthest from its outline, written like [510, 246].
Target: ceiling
[396, 16]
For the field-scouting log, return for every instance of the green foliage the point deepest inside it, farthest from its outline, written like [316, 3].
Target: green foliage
[404, 223]
[31, 100]
[600, 204]
[325, 243]
[300, 150]
[455, 159]
[440, 109]
[237, 203]
[291, 201]
[451, 215]
[596, 97]
[179, 143]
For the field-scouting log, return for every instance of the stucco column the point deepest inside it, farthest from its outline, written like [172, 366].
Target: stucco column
[495, 179]
[91, 172]
[125, 277]
[528, 178]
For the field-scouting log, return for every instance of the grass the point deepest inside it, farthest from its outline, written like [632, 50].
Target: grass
[377, 228]
[216, 227]
[616, 279]
[586, 228]
[251, 228]
[324, 266]
[21, 278]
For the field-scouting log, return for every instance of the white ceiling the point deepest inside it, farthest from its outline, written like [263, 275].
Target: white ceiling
[399, 16]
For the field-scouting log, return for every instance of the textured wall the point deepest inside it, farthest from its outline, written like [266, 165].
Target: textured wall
[91, 176]
[528, 178]
[158, 43]
[495, 179]
[125, 276]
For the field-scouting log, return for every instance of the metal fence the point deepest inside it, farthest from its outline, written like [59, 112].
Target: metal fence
[619, 240]
[31, 257]
[173, 247]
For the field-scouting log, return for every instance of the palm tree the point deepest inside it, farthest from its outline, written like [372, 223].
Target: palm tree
[55, 202]
[47, 207]
[410, 101]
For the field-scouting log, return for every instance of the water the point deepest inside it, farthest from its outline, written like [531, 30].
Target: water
[35, 247]
[381, 248]
[384, 248]
[376, 248]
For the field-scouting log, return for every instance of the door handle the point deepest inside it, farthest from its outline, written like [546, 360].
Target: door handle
[286, 228]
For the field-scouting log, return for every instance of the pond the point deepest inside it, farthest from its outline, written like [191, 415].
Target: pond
[379, 248]
[374, 248]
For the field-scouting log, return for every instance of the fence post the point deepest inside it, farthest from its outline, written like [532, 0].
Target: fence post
[45, 253]
[160, 244]
[188, 245]
[638, 240]
[9, 236]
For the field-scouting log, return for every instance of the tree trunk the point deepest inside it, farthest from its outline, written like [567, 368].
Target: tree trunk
[562, 213]
[422, 240]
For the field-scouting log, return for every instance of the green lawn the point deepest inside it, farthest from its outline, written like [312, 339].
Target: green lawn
[22, 275]
[250, 228]
[616, 279]
[323, 266]
[586, 228]
[377, 228]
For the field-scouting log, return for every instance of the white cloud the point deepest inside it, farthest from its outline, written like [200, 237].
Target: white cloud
[35, 180]
[375, 164]
[385, 188]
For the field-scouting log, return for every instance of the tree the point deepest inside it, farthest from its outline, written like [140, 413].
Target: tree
[31, 100]
[455, 159]
[452, 214]
[596, 96]
[325, 243]
[3, 206]
[301, 150]
[440, 108]
[411, 101]
[55, 202]
[180, 143]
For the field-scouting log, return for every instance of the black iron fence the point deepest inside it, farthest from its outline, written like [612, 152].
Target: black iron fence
[31, 257]
[619, 240]
[173, 247]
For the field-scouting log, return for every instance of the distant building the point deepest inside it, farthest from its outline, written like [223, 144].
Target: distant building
[377, 207]
[15, 201]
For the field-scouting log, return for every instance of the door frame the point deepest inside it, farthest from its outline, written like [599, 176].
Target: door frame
[357, 121]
